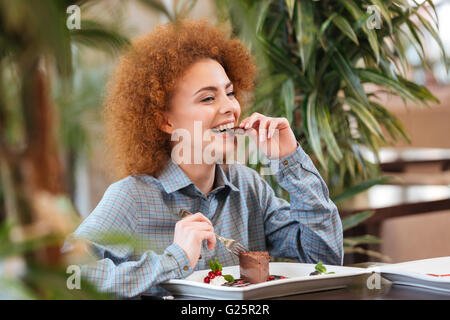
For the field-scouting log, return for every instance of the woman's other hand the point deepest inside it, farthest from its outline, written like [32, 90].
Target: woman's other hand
[190, 233]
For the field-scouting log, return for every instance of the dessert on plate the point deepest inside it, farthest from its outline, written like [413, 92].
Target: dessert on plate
[254, 266]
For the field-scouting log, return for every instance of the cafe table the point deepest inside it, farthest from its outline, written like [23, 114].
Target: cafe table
[358, 289]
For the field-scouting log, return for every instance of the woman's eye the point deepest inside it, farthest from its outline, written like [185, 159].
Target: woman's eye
[232, 93]
[207, 99]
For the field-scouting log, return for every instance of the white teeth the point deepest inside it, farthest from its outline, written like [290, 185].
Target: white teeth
[225, 126]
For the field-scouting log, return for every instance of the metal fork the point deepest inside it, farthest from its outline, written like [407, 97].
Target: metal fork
[231, 245]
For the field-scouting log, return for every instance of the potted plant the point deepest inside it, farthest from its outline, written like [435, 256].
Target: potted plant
[323, 65]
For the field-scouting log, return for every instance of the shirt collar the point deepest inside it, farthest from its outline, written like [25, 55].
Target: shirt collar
[222, 177]
[173, 178]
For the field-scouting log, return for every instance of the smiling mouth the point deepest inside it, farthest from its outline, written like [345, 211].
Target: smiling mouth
[223, 128]
[215, 130]
[234, 130]
[229, 128]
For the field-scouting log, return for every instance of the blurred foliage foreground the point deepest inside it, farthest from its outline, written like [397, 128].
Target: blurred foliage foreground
[316, 54]
[38, 54]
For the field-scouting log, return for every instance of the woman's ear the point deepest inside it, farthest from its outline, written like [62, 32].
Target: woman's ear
[167, 126]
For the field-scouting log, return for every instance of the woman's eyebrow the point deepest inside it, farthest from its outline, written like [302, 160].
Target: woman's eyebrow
[213, 88]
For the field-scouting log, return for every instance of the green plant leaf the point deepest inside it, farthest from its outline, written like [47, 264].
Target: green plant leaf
[283, 62]
[290, 4]
[93, 34]
[373, 42]
[15, 289]
[365, 239]
[373, 76]
[345, 27]
[391, 123]
[322, 30]
[305, 30]
[212, 265]
[364, 116]
[320, 267]
[435, 36]
[328, 135]
[384, 12]
[355, 219]
[352, 8]
[363, 186]
[313, 128]
[228, 277]
[262, 9]
[287, 96]
[406, 89]
[345, 70]
[419, 92]
[360, 16]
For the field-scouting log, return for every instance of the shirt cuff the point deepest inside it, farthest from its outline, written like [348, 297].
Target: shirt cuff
[298, 156]
[177, 256]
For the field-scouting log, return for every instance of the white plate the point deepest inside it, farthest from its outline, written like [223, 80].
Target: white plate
[414, 273]
[298, 281]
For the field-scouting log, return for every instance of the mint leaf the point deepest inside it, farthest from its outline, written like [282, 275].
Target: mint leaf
[320, 267]
[212, 266]
[217, 265]
[228, 277]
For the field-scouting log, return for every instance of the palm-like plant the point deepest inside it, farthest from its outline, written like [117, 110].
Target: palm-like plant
[318, 60]
[37, 125]
[322, 65]
[35, 49]
[35, 41]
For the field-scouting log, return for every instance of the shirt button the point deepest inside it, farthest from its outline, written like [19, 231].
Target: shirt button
[185, 268]
[285, 162]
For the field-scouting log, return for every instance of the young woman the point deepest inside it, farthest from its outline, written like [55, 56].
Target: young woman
[185, 78]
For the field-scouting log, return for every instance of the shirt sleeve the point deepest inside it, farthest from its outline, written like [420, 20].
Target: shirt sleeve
[308, 228]
[115, 270]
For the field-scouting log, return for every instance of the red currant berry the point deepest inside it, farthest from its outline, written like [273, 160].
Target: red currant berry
[240, 282]
[271, 278]
[282, 277]
[218, 273]
[206, 280]
[210, 274]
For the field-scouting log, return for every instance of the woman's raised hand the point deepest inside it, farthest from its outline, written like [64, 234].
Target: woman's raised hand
[190, 233]
[271, 134]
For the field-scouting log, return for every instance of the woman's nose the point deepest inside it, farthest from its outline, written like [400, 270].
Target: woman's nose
[227, 106]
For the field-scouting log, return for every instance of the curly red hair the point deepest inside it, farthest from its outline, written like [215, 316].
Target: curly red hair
[140, 90]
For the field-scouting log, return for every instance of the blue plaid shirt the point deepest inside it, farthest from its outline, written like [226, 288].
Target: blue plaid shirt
[241, 206]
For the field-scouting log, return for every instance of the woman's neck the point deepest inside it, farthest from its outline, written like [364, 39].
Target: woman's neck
[202, 175]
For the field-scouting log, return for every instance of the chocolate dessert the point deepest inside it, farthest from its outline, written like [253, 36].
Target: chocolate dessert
[254, 266]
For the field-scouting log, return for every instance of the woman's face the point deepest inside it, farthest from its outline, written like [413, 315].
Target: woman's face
[204, 99]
